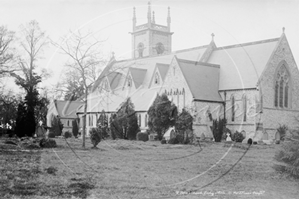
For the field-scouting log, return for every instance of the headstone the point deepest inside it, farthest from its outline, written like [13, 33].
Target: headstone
[277, 136]
[172, 134]
[228, 139]
[40, 132]
[249, 135]
[249, 141]
[244, 133]
[202, 136]
[265, 136]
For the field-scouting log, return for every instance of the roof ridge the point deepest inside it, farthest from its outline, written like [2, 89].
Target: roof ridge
[248, 43]
[188, 49]
[198, 62]
[135, 68]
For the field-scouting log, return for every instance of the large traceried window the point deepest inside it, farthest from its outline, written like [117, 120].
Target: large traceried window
[281, 88]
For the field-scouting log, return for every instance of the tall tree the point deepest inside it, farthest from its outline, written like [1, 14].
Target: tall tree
[7, 58]
[32, 42]
[83, 51]
[162, 115]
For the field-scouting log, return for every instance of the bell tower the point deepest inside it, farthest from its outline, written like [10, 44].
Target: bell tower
[151, 39]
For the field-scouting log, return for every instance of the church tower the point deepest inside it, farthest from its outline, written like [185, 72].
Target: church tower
[151, 39]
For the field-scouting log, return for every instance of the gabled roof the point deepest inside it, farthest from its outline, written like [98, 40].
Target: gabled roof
[137, 75]
[242, 64]
[163, 69]
[67, 109]
[103, 73]
[202, 79]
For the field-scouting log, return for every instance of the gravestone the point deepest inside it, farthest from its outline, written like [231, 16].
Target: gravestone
[228, 139]
[172, 134]
[249, 135]
[40, 132]
[265, 136]
[244, 133]
[202, 136]
[277, 136]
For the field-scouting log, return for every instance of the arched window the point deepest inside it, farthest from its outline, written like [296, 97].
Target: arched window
[281, 88]
[156, 80]
[129, 81]
[140, 120]
[244, 108]
[140, 49]
[232, 109]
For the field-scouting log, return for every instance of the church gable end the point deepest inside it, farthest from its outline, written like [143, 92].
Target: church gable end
[279, 86]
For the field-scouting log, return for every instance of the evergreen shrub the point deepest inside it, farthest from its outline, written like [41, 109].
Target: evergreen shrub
[95, 136]
[237, 137]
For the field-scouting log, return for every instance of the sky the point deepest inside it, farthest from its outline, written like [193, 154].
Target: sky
[192, 21]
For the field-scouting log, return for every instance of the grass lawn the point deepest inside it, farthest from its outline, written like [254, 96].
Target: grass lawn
[130, 169]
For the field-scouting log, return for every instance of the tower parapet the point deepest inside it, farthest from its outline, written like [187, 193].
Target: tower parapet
[151, 39]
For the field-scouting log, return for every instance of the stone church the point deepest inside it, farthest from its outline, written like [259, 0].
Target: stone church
[253, 85]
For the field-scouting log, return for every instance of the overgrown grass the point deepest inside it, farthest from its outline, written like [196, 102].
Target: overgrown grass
[133, 169]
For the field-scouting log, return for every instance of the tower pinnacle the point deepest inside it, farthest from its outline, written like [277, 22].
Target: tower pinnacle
[153, 17]
[149, 13]
[134, 19]
[169, 19]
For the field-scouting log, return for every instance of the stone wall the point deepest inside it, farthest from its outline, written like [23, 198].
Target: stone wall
[252, 98]
[273, 116]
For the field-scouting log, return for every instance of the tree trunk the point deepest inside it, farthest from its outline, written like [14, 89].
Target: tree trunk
[84, 119]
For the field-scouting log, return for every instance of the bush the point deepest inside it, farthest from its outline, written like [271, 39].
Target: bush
[47, 143]
[142, 136]
[288, 156]
[173, 141]
[282, 129]
[67, 134]
[163, 141]
[95, 135]
[237, 137]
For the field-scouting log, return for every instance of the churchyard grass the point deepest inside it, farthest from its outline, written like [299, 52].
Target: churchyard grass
[136, 169]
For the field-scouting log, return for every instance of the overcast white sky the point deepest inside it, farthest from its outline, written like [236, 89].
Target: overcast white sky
[192, 21]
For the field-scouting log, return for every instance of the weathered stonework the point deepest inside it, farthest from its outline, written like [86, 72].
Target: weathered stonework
[273, 116]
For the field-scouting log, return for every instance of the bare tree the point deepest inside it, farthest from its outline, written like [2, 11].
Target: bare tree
[7, 58]
[71, 85]
[32, 41]
[84, 53]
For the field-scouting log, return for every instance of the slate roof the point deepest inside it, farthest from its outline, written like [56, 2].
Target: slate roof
[138, 75]
[163, 69]
[67, 109]
[229, 67]
[242, 65]
[202, 79]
